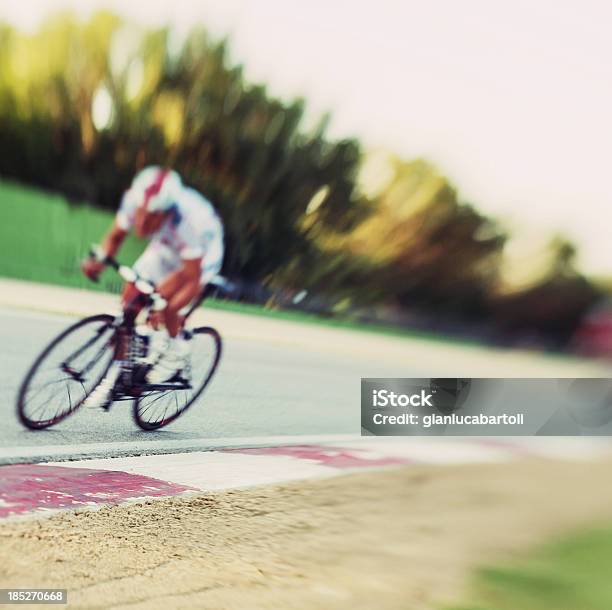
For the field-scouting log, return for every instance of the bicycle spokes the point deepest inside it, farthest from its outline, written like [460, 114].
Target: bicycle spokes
[66, 372]
[159, 404]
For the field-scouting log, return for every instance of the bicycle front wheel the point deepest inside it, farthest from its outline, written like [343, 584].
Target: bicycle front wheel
[67, 370]
[160, 406]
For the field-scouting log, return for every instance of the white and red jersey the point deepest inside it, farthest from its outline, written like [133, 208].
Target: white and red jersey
[193, 228]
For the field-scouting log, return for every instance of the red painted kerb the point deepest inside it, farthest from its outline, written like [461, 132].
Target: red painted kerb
[333, 457]
[36, 487]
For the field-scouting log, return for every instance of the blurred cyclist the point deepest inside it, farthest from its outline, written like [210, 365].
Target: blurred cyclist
[185, 252]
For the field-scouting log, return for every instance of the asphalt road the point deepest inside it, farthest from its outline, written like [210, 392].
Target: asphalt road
[265, 388]
[259, 390]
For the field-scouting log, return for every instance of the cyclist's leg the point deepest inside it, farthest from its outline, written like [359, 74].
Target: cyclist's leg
[210, 270]
[177, 353]
[150, 265]
[156, 263]
[181, 299]
[172, 353]
[129, 293]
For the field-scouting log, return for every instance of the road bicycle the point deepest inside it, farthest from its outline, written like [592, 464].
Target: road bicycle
[77, 360]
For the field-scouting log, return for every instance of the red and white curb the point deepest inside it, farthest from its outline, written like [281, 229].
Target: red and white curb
[39, 489]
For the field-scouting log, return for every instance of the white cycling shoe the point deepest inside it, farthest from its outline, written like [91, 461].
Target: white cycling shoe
[102, 394]
[170, 362]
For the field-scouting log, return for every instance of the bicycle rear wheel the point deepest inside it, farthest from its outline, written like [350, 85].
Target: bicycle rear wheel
[157, 406]
[67, 370]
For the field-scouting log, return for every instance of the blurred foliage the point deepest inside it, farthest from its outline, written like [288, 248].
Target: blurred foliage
[84, 106]
[555, 304]
[182, 107]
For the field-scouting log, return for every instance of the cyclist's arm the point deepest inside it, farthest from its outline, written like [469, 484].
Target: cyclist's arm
[93, 266]
[113, 239]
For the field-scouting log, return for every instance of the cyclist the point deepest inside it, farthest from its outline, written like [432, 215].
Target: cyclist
[184, 253]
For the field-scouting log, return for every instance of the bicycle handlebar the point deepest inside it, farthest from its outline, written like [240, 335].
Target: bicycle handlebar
[131, 276]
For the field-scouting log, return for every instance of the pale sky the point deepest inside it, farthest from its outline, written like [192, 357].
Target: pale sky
[512, 99]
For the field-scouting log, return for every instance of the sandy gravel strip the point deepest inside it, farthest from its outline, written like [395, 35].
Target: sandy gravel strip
[402, 539]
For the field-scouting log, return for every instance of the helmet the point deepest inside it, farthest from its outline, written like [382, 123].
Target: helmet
[156, 188]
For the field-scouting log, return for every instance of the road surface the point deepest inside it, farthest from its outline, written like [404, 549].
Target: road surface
[260, 390]
[276, 378]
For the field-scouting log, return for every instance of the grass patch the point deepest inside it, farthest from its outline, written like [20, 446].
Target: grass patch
[572, 574]
[43, 238]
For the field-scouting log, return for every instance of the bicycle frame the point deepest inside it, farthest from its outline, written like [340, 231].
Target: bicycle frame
[78, 375]
[125, 333]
